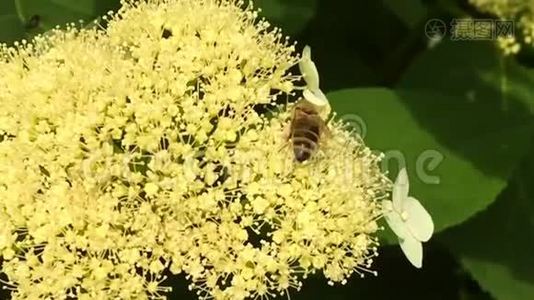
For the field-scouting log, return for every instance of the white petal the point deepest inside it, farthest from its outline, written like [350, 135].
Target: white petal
[319, 94]
[413, 250]
[400, 190]
[395, 221]
[306, 52]
[419, 220]
[316, 98]
[309, 70]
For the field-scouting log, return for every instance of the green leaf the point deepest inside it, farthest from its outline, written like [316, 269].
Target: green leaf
[495, 246]
[7, 7]
[459, 154]
[47, 14]
[11, 28]
[290, 15]
[43, 15]
[474, 71]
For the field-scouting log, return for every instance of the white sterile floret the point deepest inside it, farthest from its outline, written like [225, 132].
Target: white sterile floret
[309, 70]
[312, 92]
[408, 219]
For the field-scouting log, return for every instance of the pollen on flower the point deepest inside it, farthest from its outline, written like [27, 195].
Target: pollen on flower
[520, 12]
[140, 148]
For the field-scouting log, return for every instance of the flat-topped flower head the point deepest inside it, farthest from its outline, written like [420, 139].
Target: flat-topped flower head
[142, 148]
[408, 219]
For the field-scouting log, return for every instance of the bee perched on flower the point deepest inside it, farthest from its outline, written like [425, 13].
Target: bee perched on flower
[136, 149]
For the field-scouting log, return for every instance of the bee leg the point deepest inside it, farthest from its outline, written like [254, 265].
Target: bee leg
[286, 135]
[326, 130]
[285, 145]
[326, 134]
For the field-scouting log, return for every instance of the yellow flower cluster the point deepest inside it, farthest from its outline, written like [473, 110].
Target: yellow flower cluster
[141, 148]
[521, 12]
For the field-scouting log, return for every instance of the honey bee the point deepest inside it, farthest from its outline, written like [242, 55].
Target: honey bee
[305, 131]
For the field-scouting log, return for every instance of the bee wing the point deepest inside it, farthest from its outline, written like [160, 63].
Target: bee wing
[286, 134]
[326, 135]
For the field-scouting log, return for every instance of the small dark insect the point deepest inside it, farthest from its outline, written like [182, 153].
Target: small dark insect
[306, 130]
[167, 33]
[33, 22]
